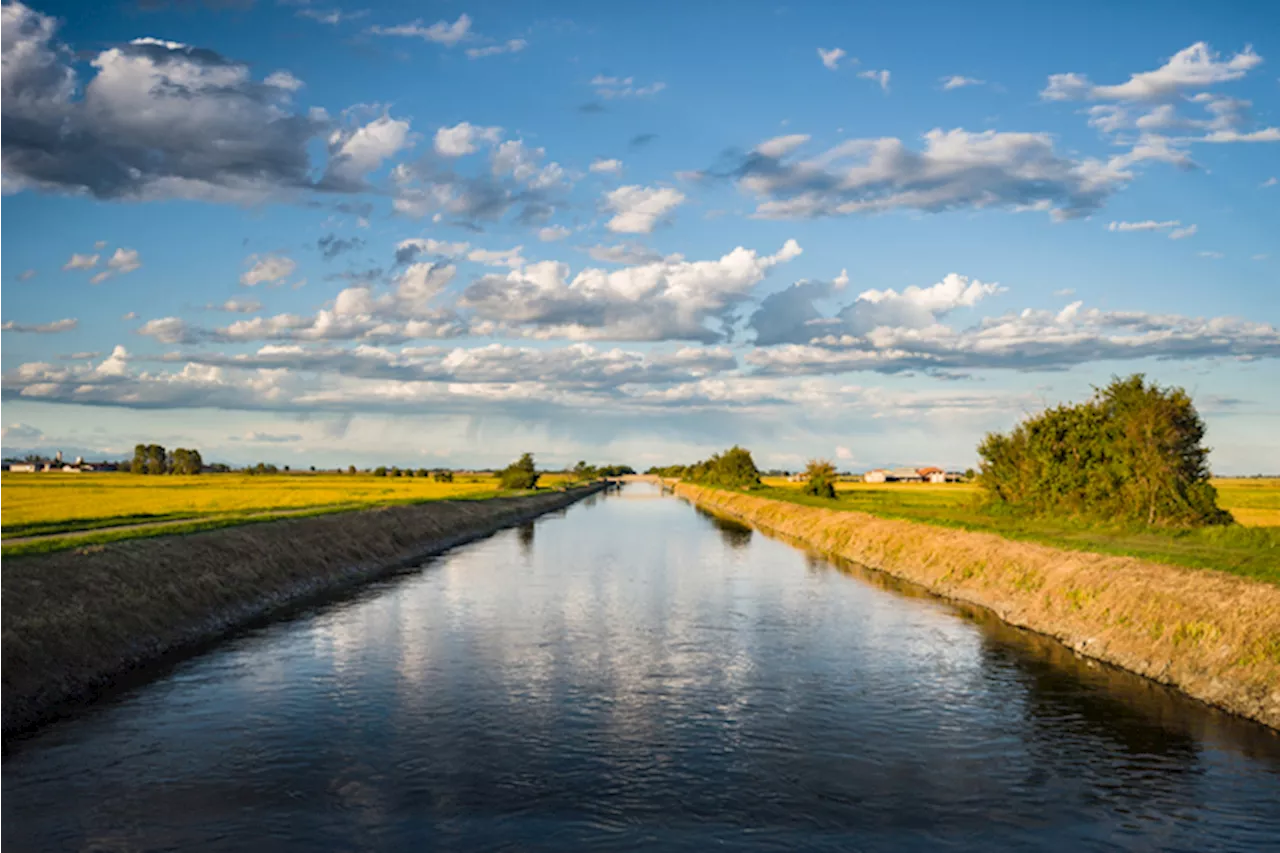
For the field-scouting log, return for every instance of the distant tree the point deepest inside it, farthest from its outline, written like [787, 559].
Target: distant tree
[313, 468]
[520, 474]
[733, 469]
[380, 471]
[286, 469]
[351, 469]
[442, 476]
[184, 461]
[423, 472]
[1133, 452]
[969, 474]
[820, 479]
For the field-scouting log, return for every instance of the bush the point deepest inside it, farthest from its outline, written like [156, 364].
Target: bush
[1132, 453]
[734, 469]
[821, 481]
[380, 471]
[443, 476]
[520, 474]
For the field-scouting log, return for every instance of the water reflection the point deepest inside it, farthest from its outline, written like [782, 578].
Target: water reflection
[633, 675]
[734, 533]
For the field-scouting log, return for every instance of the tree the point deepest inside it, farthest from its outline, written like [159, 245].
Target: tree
[443, 476]
[821, 480]
[733, 469]
[1131, 453]
[351, 469]
[520, 474]
[184, 461]
[380, 471]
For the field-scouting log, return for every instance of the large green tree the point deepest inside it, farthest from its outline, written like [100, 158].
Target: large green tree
[520, 474]
[1133, 452]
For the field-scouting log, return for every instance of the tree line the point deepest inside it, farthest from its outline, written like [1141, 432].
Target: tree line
[1134, 452]
[154, 459]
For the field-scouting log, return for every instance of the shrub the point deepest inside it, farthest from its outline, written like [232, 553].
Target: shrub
[443, 476]
[1131, 453]
[380, 471]
[733, 469]
[821, 482]
[520, 474]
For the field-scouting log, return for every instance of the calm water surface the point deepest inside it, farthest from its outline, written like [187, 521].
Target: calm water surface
[635, 674]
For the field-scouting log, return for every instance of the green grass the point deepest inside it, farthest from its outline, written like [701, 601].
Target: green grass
[1252, 552]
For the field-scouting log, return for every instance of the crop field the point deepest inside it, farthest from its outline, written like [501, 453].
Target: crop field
[1253, 502]
[121, 505]
[1250, 548]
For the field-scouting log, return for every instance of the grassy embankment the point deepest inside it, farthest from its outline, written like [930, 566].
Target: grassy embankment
[125, 506]
[1250, 549]
[1212, 635]
[80, 622]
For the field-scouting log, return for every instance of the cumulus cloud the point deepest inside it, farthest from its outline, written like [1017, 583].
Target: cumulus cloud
[237, 306]
[156, 120]
[331, 245]
[509, 46]
[41, 328]
[408, 250]
[1183, 233]
[956, 170]
[637, 209]
[552, 233]
[1026, 340]
[1194, 67]
[441, 32]
[265, 269]
[671, 299]
[791, 315]
[831, 58]
[607, 167]
[624, 87]
[354, 152]
[81, 262]
[121, 261]
[463, 138]
[1175, 228]
[332, 17]
[498, 257]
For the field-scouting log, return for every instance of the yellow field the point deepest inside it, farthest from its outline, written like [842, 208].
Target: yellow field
[33, 499]
[1253, 503]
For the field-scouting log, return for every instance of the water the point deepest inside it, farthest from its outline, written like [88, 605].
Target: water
[635, 674]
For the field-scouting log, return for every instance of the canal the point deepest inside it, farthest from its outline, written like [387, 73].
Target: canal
[629, 674]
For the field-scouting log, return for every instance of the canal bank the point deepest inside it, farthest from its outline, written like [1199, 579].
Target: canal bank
[1213, 636]
[79, 623]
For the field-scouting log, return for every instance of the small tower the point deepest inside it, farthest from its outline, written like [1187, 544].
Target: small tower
[58, 457]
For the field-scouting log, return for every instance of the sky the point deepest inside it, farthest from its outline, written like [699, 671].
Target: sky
[443, 234]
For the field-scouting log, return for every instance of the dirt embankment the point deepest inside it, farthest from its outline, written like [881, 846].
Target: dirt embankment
[78, 622]
[1211, 635]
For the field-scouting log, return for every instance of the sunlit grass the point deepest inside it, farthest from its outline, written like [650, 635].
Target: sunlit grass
[39, 504]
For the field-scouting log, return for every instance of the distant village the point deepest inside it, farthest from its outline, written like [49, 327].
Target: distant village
[927, 474]
[57, 463]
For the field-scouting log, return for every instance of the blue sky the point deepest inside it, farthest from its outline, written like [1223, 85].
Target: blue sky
[421, 234]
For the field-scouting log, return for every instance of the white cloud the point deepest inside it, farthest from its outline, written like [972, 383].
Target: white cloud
[81, 262]
[956, 170]
[956, 81]
[623, 87]
[21, 432]
[1194, 67]
[498, 257]
[53, 328]
[283, 80]
[463, 138]
[781, 146]
[1262, 257]
[623, 253]
[26, 275]
[267, 269]
[552, 233]
[831, 58]
[638, 209]
[1183, 233]
[880, 77]
[1213, 256]
[124, 261]
[662, 300]
[843, 453]
[510, 46]
[1146, 225]
[236, 306]
[607, 167]
[407, 250]
[1269, 182]
[441, 32]
[355, 152]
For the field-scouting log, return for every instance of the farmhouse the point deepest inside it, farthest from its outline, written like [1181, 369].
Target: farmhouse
[928, 474]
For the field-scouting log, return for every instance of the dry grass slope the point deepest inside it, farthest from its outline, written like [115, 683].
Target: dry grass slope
[1214, 636]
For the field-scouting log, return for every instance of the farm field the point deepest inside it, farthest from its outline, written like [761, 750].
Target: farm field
[1250, 548]
[1253, 502]
[55, 503]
